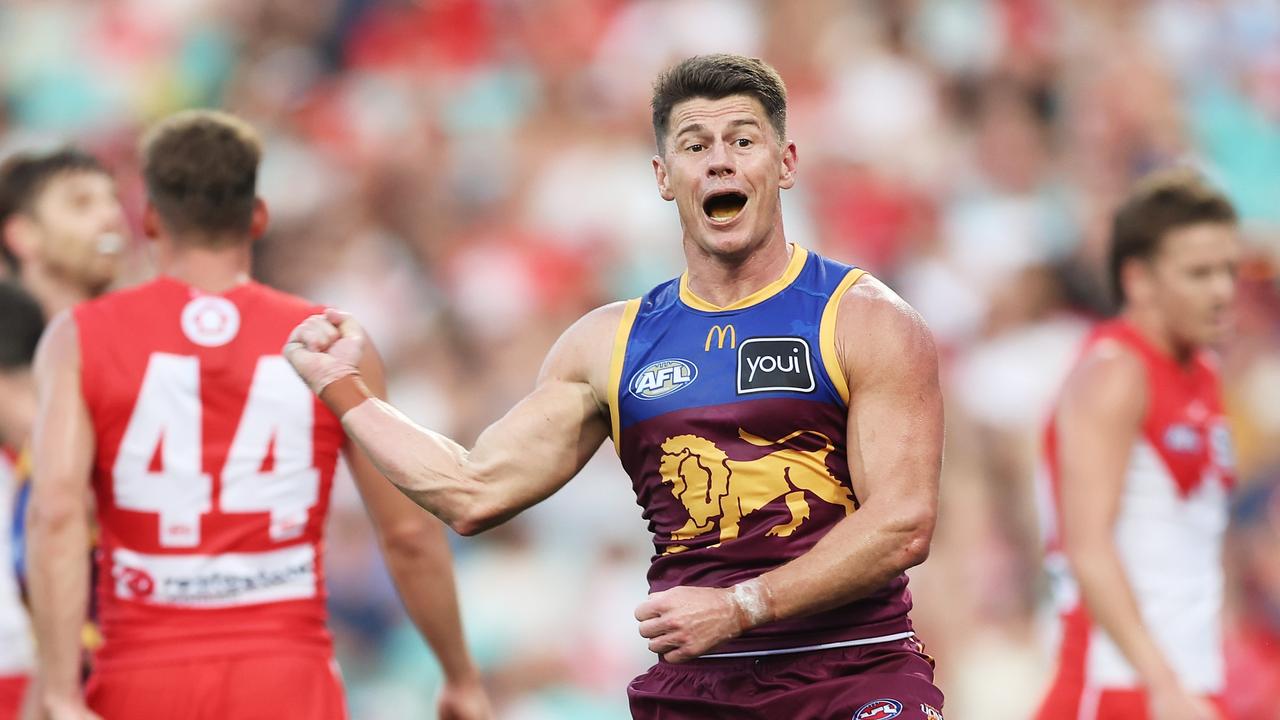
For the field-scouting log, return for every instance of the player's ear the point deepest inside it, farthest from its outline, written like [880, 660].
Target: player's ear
[660, 174]
[1136, 276]
[789, 160]
[151, 222]
[258, 222]
[19, 235]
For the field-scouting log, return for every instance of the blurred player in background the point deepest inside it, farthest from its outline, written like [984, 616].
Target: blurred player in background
[1140, 468]
[21, 322]
[778, 413]
[211, 466]
[63, 227]
[62, 232]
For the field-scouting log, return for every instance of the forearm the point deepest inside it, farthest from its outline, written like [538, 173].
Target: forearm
[858, 556]
[423, 573]
[432, 470]
[1109, 598]
[58, 559]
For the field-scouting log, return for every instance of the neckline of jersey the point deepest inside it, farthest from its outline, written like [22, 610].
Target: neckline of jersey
[1154, 352]
[798, 258]
[195, 291]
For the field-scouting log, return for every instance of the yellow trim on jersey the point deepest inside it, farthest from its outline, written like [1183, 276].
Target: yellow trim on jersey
[22, 466]
[615, 368]
[827, 334]
[794, 266]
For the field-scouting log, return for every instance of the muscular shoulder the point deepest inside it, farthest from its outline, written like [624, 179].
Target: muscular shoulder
[59, 348]
[584, 351]
[1109, 383]
[877, 331]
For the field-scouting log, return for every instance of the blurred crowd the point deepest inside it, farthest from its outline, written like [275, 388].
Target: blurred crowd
[469, 176]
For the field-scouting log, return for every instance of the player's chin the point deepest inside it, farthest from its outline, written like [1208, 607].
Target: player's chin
[727, 242]
[1216, 332]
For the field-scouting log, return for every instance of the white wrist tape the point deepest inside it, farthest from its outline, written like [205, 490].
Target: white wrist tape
[330, 376]
[752, 598]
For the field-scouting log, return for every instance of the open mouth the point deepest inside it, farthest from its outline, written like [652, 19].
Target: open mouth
[724, 206]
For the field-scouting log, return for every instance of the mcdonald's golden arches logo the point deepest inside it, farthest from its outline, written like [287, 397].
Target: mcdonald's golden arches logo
[720, 332]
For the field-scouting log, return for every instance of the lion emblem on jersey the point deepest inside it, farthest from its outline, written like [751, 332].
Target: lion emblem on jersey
[719, 491]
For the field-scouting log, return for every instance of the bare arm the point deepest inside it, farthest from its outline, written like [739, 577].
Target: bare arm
[418, 558]
[1101, 414]
[58, 544]
[529, 453]
[895, 456]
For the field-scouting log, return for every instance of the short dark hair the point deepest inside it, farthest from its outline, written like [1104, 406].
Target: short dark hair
[201, 172]
[24, 176]
[714, 77]
[21, 323]
[1160, 203]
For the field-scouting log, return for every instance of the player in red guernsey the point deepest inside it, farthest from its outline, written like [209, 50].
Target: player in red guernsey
[21, 323]
[211, 466]
[1139, 469]
[62, 233]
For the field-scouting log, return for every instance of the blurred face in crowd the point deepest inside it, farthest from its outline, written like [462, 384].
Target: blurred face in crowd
[75, 230]
[1191, 281]
[724, 166]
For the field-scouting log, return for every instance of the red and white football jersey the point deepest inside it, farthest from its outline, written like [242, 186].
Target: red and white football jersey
[212, 471]
[16, 653]
[1172, 516]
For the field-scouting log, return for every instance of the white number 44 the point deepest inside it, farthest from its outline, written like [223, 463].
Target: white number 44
[278, 415]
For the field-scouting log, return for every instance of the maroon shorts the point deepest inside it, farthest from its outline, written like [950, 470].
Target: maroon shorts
[267, 687]
[868, 682]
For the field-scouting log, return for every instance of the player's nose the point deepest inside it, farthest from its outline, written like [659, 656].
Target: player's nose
[719, 161]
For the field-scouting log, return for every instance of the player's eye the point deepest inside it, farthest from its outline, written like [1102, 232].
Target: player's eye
[696, 147]
[743, 142]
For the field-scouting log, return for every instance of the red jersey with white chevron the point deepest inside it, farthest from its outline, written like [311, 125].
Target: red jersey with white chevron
[212, 471]
[1172, 515]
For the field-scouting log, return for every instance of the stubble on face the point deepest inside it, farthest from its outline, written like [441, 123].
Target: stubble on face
[82, 230]
[724, 167]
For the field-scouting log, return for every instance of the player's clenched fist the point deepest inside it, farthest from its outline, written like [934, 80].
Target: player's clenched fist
[325, 348]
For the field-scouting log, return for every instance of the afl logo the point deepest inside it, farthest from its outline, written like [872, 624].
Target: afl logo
[879, 710]
[662, 378]
[210, 321]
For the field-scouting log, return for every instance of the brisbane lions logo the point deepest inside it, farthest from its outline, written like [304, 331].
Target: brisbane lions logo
[719, 491]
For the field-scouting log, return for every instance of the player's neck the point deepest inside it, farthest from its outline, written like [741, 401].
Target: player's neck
[213, 270]
[54, 293]
[1151, 325]
[724, 281]
[18, 411]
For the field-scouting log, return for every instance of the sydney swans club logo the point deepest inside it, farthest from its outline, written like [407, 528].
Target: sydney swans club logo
[661, 378]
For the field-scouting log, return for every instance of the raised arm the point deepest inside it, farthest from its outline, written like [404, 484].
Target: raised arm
[417, 554]
[58, 522]
[895, 456]
[522, 458]
[1100, 416]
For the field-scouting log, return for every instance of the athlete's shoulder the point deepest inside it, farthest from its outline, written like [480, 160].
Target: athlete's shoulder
[662, 295]
[1109, 379]
[872, 309]
[59, 346]
[142, 295]
[585, 350]
[602, 324]
[282, 300]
